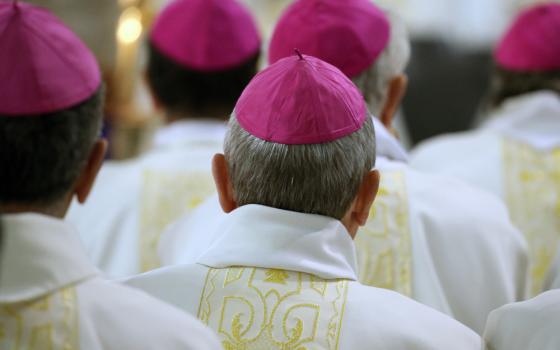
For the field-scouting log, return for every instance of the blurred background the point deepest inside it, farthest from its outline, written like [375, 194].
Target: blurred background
[451, 40]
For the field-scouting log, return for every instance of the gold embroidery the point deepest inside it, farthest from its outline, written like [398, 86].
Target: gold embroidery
[276, 276]
[533, 196]
[165, 197]
[290, 311]
[383, 245]
[49, 323]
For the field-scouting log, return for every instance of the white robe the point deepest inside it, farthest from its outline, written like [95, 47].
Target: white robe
[277, 279]
[515, 155]
[428, 237]
[52, 297]
[553, 280]
[530, 325]
[132, 202]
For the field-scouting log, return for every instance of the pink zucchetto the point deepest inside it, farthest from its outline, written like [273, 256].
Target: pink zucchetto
[300, 100]
[348, 34]
[206, 35]
[44, 67]
[532, 44]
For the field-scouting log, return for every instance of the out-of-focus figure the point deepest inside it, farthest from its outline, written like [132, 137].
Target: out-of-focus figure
[420, 239]
[516, 153]
[296, 180]
[51, 295]
[202, 53]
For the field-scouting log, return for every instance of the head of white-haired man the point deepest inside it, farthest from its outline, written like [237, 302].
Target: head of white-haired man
[300, 139]
[370, 45]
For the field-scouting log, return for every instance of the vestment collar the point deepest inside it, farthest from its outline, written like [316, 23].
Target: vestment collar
[40, 255]
[260, 236]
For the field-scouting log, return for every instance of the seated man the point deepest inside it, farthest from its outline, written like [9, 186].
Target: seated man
[296, 179]
[516, 153]
[429, 237]
[528, 325]
[51, 295]
[202, 54]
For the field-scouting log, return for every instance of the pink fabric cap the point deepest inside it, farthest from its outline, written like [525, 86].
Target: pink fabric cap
[44, 67]
[301, 101]
[533, 41]
[348, 34]
[206, 35]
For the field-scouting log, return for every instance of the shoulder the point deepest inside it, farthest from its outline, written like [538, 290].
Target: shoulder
[528, 325]
[437, 151]
[179, 285]
[450, 207]
[132, 318]
[400, 320]
[184, 240]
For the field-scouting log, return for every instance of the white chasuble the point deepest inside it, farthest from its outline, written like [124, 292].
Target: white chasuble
[276, 279]
[48, 322]
[383, 245]
[528, 325]
[132, 202]
[256, 308]
[52, 298]
[515, 155]
[532, 181]
[165, 196]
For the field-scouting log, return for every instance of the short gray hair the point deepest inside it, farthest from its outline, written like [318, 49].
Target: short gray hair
[321, 179]
[373, 83]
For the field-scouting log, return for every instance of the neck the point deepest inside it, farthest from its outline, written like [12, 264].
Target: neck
[57, 210]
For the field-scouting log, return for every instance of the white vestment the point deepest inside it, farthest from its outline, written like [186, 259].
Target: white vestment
[277, 279]
[553, 280]
[432, 238]
[132, 202]
[530, 325]
[52, 297]
[515, 155]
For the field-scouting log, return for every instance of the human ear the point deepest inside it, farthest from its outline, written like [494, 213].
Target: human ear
[85, 181]
[223, 183]
[396, 91]
[365, 198]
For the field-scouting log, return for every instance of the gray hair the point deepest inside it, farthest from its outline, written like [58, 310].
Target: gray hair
[373, 83]
[321, 179]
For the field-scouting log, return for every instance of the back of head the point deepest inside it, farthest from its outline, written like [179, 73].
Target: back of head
[202, 53]
[366, 43]
[527, 58]
[50, 106]
[300, 139]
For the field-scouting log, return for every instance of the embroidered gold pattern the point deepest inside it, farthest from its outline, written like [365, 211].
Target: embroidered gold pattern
[273, 309]
[50, 323]
[165, 197]
[533, 196]
[276, 276]
[383, 245]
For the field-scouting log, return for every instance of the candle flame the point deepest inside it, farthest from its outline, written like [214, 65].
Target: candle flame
[130, 26]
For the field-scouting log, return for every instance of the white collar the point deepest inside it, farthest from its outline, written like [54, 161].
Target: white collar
[190, 131]
[255, 235]
[387, 145]
[531, 118]
[40, 255]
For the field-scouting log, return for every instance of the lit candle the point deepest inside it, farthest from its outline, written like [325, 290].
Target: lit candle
[129, 32]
